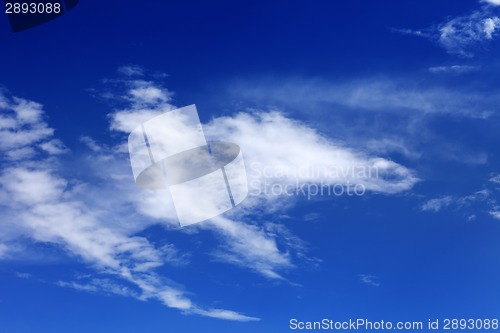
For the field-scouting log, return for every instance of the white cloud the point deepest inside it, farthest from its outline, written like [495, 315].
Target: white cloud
[392, 145]
[460, 154]
[22, 137]
[20, 153]
[435, 205]
[50, 214]
[144, 93]
[29, 186]
[250, 247]
[368, 279]
[23, 275]
[477, 200]
[21, 126]
[495, 179]
[454, 69]
[102, 286]
[46, 207]
[464, 35]
[495, 213]
[481, 195]
[376, 94]
[269, 140]
[76, 215]
[4, 249]
[279, 150]
[378, 115]
[311, 217]
[7, 122]
[54, 147]
[127, 120]
[225, 314]
[420, 33]
[131, 70]
[92, 144]
[490, 25]
[471, 217]
[146, 100]
[27, 112]
[148, 95]
[492, 2]
[297, 155]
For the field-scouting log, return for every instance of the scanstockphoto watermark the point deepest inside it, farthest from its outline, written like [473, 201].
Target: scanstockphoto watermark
[310, 181]
[308, 190]
[308, 171]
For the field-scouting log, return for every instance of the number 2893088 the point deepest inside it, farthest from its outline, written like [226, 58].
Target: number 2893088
[32, 8]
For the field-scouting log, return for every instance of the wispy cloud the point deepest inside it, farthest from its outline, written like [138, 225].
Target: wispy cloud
[369, 280]
[101, 286]
[383, 116]
[375, 94]
[492, 2]
[131, 70]
[300, 154]
[453, 69]
[45, 202]
[45, 206]
[464, 35]
[108, 287]
[495, 207]
[4, 249]
[22, 127]
[460, 203]
[22, 275]
[495, 179]
[257, 247]
[495, 213]
[280, 151]
[435, 205]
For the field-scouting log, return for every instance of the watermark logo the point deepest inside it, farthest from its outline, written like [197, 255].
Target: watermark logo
[204, 179]
[310, 180]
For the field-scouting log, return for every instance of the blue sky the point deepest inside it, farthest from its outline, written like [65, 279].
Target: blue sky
[408, 88]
